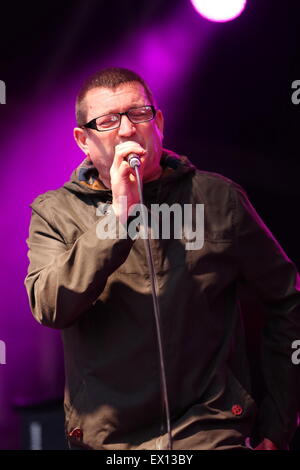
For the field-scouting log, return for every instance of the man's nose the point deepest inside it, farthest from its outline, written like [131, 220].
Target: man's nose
[126, 128]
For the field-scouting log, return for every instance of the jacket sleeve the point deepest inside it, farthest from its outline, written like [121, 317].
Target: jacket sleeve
[63, 280]
[264, 265]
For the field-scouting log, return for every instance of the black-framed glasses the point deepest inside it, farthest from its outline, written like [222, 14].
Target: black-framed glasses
[107, 122]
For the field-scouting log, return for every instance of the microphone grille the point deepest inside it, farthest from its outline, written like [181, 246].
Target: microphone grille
[133, 160]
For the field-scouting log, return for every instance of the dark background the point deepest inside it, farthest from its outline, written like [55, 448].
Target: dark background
[225, 90]
[246, 125]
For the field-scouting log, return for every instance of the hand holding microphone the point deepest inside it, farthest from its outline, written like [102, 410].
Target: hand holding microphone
[128, 155]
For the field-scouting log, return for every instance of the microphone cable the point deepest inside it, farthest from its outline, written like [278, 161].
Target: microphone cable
[134, 163]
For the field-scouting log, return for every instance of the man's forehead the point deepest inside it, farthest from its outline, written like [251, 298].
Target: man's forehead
[104, 100]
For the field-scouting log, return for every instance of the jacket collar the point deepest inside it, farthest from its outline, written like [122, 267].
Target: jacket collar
[86, 179]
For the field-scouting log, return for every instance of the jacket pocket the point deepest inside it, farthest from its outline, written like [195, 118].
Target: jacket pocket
[238, 392]
[72, 409]
[230, 402]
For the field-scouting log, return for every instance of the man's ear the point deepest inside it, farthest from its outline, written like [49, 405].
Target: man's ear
[80, 137]
[159, 118]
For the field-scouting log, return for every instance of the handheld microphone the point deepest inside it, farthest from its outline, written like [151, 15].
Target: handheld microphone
[134, 160]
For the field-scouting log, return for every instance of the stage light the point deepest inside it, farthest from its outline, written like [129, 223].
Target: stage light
[219, 10]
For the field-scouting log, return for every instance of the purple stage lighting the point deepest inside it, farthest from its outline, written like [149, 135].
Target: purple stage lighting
[219, 10]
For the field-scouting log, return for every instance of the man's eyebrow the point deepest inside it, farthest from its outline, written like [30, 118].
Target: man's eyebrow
[114, 110]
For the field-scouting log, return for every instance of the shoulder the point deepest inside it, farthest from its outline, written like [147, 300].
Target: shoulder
[211, 179]
[49, 198]
[221, 198]
[212, 187]
[48, 204]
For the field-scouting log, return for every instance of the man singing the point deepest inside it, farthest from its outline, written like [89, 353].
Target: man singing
[97, 291]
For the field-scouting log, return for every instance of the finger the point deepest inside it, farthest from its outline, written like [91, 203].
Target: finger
[128, 143]
[123, 150]
[121, 170]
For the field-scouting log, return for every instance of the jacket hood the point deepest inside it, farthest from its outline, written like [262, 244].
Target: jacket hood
[85, 178]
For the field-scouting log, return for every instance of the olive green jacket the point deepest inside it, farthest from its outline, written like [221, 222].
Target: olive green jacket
[98, 292]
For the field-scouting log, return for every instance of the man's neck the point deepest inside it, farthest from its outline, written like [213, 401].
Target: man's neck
[154, 176]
